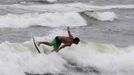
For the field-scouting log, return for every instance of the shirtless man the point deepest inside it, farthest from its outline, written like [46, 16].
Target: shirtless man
[66, 40]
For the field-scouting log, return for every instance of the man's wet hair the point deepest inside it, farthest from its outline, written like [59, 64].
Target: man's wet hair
[76, 40]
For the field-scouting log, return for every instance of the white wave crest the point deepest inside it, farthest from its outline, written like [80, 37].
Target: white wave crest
[47, 19]
[102, 16]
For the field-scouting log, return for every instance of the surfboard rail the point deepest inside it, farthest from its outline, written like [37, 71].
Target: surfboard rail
[35, 44]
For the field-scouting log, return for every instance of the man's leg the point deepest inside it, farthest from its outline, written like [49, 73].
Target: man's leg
[46, 43]
[54, 50]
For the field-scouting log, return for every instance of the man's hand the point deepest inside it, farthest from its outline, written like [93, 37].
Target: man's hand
[68, 28]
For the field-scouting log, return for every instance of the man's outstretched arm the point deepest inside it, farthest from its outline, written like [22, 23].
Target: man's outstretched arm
[69, 33]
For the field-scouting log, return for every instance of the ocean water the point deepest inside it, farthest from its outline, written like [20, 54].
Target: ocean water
[105, 28]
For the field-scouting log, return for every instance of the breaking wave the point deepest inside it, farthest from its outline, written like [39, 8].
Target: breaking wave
[47, 19]
[87, 57]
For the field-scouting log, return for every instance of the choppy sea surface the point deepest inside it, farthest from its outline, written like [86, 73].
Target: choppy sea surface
[105, 28]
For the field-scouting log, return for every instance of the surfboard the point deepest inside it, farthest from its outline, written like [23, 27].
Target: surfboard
[35, 44]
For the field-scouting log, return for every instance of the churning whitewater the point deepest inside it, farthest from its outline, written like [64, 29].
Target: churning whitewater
[84, 59]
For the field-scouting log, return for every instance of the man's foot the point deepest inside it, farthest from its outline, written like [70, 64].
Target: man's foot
[55, 50]
[38, 43]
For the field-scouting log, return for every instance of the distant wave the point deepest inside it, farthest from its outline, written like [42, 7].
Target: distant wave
[56, 19]
[25, 1]
[46, 19]
[55, 15]
[69, 7]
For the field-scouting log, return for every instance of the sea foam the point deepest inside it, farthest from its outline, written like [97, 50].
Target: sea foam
[102, 16]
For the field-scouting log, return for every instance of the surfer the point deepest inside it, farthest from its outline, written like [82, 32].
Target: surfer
[66, 40]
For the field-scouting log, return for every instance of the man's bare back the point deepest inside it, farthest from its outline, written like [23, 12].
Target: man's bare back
[66, 40]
